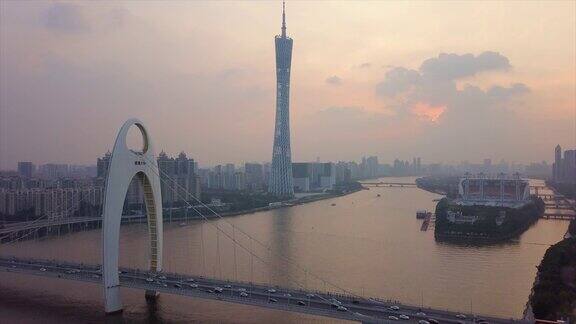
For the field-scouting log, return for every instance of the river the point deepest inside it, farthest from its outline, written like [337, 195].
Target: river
[363, 243]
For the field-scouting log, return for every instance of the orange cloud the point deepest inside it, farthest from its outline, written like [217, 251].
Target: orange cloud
[428, 112]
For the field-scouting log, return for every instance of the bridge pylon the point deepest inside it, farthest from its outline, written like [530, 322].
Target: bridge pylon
[125, 165]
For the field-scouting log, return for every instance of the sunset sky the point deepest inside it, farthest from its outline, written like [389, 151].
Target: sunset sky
[445, 81]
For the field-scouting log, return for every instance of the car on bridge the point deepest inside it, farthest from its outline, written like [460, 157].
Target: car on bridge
[335, 302]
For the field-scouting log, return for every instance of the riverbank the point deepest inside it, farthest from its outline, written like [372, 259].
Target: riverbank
[441, 185]
[294, 202]
[553, 295]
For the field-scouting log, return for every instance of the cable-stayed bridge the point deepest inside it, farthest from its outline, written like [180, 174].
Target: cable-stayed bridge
[331, 301]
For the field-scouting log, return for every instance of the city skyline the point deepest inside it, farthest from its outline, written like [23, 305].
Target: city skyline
[393, 94]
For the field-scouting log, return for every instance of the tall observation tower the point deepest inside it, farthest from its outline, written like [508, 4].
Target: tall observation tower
[281, 175]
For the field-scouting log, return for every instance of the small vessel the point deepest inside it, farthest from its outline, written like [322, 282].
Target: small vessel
[421, 214]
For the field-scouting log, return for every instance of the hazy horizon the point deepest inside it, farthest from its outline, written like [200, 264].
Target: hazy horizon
[446, 81]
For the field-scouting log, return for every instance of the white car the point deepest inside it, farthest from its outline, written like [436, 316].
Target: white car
[342, 309]
[423, 322]
[243, 294]
[227, 286]
[404, 317]
[190, 280]
[43, 269]
[149, 279]
[193, 286]
[218, 290]
[462, 316]
[421, 314]
[392, 318]
[287, 295]
[272, 290]
[242, 289]
[162, 277]
[394, 307]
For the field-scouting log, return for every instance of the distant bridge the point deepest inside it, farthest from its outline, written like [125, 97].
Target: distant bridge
[42, 226]
[389, 184]
[551, 215]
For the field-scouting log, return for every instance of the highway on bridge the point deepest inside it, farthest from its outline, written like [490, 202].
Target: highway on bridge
[345, 307]
[45, 223]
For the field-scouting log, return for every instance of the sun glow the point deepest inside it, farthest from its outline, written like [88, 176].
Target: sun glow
[428, 112]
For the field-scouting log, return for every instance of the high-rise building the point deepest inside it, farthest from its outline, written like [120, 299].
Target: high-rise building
[54, 171]
[557, 166]
[569, 166]
[25, 169]
[102, 165]
[487, 165]
[254, 176]
[281, 182]
[179, 179]
[314, 176]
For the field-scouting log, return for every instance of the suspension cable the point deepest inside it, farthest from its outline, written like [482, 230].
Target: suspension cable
[158, 171]
[289, 277]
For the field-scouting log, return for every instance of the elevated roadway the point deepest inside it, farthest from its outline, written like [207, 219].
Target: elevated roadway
[327, 304]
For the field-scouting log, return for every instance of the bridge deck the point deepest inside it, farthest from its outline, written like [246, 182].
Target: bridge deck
[308, 302]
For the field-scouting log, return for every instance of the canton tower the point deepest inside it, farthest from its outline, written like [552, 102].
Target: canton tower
[281, 173]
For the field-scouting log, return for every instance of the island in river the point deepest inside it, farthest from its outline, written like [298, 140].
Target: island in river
[482, 209]
[484, 224]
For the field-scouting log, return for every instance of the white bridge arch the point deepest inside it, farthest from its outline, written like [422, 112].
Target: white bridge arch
[126, 164]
